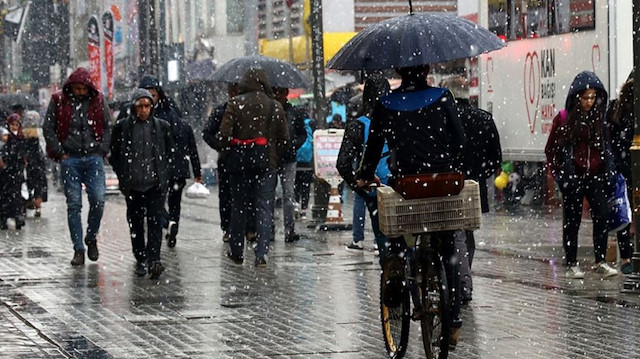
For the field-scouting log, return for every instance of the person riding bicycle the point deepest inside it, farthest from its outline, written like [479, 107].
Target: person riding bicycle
[424, 134]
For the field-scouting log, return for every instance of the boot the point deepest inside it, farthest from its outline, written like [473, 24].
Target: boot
[78, 258]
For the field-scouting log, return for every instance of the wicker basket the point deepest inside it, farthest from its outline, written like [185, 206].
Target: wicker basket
[399, 216]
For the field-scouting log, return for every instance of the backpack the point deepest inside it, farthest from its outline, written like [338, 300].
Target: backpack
[305, 152]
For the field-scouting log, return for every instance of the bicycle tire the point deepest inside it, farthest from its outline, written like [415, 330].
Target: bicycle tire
[395, 322]
[434, 318]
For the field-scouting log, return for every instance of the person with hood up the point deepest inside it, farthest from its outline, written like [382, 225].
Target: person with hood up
[579, 154]
[12, 160]
[185, 152]
[36, 164]
[141, 156]
[78, 133]
[422, 128]
[254, 136]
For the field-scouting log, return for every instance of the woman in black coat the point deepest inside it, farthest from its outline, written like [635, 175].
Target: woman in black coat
[11, 174]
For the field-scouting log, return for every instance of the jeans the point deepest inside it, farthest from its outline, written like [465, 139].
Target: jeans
[287, 174]
[149, 204]
[360, 203]
[465, 256]
[259, 189]
[595, 189]
[75, 171]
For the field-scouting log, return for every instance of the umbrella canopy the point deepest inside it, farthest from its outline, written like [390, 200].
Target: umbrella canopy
[413, 40]
[279, 73]
[27, 101]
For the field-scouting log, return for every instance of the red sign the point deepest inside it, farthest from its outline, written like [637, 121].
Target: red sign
[95, 63]
[107, 26]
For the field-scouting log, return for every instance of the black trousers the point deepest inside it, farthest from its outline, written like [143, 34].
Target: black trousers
[150, 205]
[303, 187]
[174, 197]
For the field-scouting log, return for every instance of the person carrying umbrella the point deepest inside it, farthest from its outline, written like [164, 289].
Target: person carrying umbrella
[424, 134]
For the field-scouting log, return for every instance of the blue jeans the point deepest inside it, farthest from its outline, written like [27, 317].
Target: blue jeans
[259, 190]
[370, 203]
[75, 171]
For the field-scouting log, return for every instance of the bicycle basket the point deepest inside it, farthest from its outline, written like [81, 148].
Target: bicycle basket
[399, 216]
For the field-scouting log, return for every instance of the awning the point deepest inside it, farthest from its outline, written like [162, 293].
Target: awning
[279, 49]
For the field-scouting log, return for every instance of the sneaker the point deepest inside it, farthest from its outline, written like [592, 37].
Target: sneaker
[155, 270]
[225, 238]
[92, 249]
[236, 260]
[141, 269]
[627, 268]
[172, 232]
[261, 262]
[355, 246]
[605, 270]
[376, 251]
[291, 236]
[38, 213]
[303, 215]
[392, 292]
[574, 272]
[78, 258]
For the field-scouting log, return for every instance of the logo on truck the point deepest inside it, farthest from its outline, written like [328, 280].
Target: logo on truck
[540, 88]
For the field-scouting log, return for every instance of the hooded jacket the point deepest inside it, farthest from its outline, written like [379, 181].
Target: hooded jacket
[77, 126]
[585, 151]
[253, 114]
[122, 152]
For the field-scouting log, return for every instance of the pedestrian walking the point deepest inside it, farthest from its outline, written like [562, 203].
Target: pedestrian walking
[349, 158]
[287, 169]
[12, 160]
[304, 169]
[579, 154]
[211, 135]
[482, 157]
[141, 156]
[422, 128]
[36, 162]
[621, 125]
[78, 133]
[254, 134]
[185, 153]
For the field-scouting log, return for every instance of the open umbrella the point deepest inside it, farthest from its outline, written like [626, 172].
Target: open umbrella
[27, 101]
[413, 40]
[279, 73]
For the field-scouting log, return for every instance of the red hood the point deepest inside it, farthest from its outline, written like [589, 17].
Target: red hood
[80, 75]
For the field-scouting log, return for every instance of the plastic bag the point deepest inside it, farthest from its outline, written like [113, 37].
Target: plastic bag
[618, 204]
[197, 190]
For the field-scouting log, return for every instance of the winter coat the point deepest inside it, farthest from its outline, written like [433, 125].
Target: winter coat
[11, 176]
[621, 129]
[584, 151]
[483, 153]
[36, 168]
[254, 114]
[122, 154]
[350, 151]
[422, 128]
[77, 126]
[296, 117]
[211, 131]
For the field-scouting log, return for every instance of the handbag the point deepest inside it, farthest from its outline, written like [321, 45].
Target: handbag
[618, 205]
[197, 190]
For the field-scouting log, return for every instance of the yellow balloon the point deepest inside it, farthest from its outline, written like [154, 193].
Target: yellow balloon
[501, 181]
[505, 175]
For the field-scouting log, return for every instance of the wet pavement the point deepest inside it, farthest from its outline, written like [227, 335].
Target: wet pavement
[314, 300]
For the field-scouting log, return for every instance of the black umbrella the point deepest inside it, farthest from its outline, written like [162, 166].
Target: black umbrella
[7, 100]
[279, 73]
[413, 40]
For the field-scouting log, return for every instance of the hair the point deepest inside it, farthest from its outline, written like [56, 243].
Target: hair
[375, 87]
[624, 104]
[413, 71]
[575, 114]
[458, 86]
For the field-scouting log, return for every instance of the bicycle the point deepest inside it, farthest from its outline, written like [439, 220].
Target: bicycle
[424, 279]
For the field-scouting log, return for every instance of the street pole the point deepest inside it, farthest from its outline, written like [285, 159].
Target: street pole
[632, 282]
[250, 27]
[320, 188]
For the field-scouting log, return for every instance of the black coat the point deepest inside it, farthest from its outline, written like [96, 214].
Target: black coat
[298, 134]
[36, 168]
[483, 152]
[350, 152]
[11, 177]
[122, 154]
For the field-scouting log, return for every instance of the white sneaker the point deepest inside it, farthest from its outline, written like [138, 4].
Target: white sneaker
[376, 251]
[605, 270]
[574, 273]
[356, 246]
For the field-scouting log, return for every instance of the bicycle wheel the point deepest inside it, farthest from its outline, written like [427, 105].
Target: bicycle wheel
[435, 308]
[395, 322]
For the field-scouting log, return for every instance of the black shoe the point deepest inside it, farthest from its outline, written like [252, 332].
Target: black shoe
[236, 260]
[141, 269]
[19, 223]
[172, 232]
[261, 262]
[92, 249]
[291, 236]
[3, 224]
[78, 258]
[155, 270]
[392, 291]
